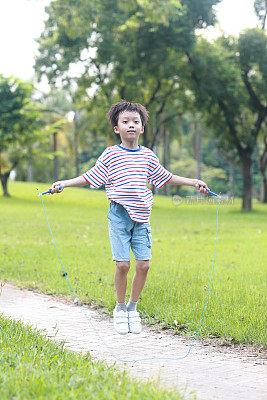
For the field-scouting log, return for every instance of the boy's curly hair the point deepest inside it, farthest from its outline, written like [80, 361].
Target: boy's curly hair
[123, 105]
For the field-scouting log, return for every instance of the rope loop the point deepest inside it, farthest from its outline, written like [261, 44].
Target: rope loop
[95, 329]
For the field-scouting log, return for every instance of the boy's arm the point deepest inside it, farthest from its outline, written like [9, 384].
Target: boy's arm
[197, 183]
[79, 181]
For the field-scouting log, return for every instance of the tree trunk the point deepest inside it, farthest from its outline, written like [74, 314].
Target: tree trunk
[196, 144]
[264, 189]
[232, 179]
[155, 190]
[4, 179]
[55, 157]
[76, 142]
[145, 137]
[166, 157]
[263, 195]
[198, 151]
[30, 170]
[247, 181]
[256, 193]
[263, 171]
[180, 130]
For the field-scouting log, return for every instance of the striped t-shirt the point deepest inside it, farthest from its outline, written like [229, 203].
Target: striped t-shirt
[125, 173]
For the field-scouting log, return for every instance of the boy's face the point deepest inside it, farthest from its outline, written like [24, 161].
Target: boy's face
[129, 126]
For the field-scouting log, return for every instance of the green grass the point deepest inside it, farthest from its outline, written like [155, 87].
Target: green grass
[183, 246]
[33, 367]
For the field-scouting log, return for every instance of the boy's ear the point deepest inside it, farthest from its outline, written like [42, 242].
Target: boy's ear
[116, 130]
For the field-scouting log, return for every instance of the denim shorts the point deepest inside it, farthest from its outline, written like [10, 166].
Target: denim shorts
[124, 233]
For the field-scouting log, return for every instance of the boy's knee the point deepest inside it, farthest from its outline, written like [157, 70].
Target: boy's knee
[123, 266]
[142, 266]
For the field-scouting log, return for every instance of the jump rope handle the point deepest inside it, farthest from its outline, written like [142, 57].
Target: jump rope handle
[48, 191]
[213, 194]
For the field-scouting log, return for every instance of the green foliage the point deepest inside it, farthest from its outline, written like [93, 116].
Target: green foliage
[137, 47]
[214, 168]
[23, 132]
[16, 123]
[228, 78]
[153, 12]
[217, 80]
[252, 45]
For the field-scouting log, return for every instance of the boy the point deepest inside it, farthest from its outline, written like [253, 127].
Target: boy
[125, 169]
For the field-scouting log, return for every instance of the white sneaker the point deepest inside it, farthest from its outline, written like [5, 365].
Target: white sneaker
[134, 322]
[120, 321]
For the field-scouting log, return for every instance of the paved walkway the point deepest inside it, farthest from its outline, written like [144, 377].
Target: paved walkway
[210, 372]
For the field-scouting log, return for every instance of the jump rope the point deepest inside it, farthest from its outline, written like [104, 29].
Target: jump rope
[90, 320]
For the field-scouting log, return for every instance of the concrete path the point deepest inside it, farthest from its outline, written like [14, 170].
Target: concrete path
[210, 372]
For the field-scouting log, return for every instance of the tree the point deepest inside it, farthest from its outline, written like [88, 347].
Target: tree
[56, 105]
[135, 42]
[19, 128]
[262, 160]
[227, 78]
[252, 48]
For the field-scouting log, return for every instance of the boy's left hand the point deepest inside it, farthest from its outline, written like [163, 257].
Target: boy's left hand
[200, 186]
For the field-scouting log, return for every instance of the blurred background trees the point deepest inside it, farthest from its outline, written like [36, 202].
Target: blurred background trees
[206, 100]
[23, 132]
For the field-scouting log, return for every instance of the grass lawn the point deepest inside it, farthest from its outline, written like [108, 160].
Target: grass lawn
[33, 367]
[183, 246]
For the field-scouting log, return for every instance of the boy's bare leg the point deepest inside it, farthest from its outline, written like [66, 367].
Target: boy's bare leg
[120, 279]
[139, 279]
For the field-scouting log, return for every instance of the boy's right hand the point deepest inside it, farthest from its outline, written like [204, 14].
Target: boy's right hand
[55, 188]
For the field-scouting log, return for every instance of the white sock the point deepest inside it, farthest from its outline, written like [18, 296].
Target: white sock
[131, 305]
[121, 306]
